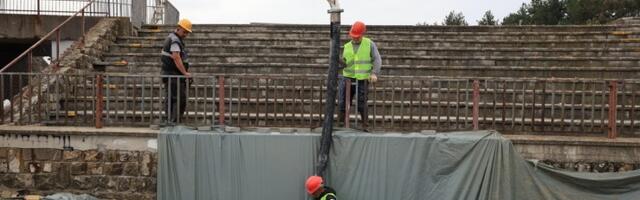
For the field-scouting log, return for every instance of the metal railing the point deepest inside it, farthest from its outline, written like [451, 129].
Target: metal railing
[103, 8]
[547, 106]
[28, 54]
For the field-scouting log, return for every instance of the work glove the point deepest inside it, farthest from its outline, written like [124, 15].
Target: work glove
[373, 78]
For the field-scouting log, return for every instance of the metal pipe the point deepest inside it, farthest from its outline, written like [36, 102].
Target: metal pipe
[57, 50]
[613, 101]
[476, 100]
[221, 102]
[99, 98]
[347, 102]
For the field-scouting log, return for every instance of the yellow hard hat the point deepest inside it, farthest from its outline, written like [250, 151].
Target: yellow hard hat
[185, 24]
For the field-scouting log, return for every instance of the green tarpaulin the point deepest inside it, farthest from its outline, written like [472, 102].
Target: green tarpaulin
[461, 165]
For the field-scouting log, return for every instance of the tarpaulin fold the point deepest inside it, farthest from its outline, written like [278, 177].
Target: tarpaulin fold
[459, 165]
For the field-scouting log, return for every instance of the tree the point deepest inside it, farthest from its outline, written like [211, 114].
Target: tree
[553, 12]
[488, 19]
[521, 17]
[546, 12]
[455, 19]
[598, 11]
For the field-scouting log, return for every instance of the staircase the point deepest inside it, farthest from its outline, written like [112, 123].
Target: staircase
[287, 66]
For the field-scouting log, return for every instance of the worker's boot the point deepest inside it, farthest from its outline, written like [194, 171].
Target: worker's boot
[365, 121]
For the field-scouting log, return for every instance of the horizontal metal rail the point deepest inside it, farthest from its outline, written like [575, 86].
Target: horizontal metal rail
[102, 8]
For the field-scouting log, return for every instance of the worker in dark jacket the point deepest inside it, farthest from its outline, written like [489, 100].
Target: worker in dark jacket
[176, 69]
[317, 190]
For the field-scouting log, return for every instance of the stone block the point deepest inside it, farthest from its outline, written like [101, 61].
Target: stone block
[47, 167]
[113, 169]
[94, 168]
[47, 154]
[128, 156]
[72, 155]
[18, 181]
[122, 183]
[4, 166]
[45, 181]
[35, 167]
[14, 160]
[146, 164]
[230, 129]
[63, 174]
[81, 183]
[131, 169]
[27, 154]
[136, 184]
[78, 168]
[112, 156]
[263, 130]
[3, 152]
[150, 184]
[93, 156]
[287, 130]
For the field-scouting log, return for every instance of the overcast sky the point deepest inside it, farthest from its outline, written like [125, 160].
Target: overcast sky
[400, 12]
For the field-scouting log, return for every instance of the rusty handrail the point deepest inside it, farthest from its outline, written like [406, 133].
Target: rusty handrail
[55, 30]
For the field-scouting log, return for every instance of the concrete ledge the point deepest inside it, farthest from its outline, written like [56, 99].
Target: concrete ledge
[147, 132]
[82, 131]
[574, 140]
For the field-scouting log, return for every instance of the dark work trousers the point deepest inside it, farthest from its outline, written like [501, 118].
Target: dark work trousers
[362, 87]
[175, 86]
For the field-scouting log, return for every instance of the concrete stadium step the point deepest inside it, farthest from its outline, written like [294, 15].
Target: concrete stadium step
[440, 51]
[392, 60]
[323, 27]
[392, 70]
[406, 43]
[310, 34]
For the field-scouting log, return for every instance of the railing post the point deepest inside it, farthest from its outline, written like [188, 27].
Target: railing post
[347, 102]
[38, 10]
[613, 104]
[221, 101]
[476, 104]
[82, 28]
[30, 62]
[99, 98]
[57, 50]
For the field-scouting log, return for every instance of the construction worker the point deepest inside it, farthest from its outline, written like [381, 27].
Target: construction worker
[316, 189]
[174, 63]
[362, 62]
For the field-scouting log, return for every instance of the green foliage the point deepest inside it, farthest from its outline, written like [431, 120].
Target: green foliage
[553, 12]
[488, 19]
[455, 19]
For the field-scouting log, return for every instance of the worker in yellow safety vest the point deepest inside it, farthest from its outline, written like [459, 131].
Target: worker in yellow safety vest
[315, 187]
[361, 63]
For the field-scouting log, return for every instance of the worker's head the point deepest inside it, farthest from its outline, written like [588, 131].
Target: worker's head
[314, 186]
[184, 28]
[357, 31]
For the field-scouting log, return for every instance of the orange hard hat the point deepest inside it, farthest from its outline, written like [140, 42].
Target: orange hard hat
[313, 184]
[358, 29]
[185, 24]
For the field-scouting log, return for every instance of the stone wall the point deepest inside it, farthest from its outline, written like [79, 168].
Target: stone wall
[107, 174]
